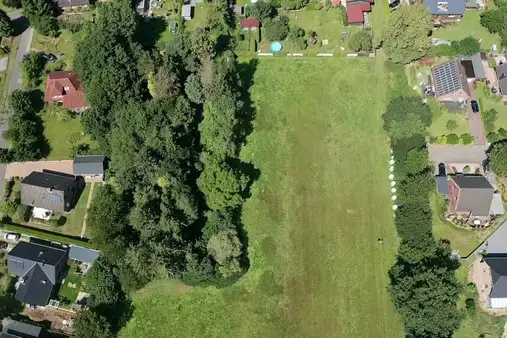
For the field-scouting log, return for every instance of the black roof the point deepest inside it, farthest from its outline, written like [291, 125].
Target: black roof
[40, 253]
[89, 165]
[498, 265]
[49, 179]
[12, 328]
[472, 182]
[36, 288]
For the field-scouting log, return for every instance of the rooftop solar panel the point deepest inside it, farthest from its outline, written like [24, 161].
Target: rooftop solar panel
[447, 78]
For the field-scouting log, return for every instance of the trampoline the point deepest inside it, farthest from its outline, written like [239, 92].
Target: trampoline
[276, 46]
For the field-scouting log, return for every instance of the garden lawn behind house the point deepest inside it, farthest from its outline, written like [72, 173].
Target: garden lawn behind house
[439, 125]
[75, 218]
[321, 202]
[469, 26]
[488, 101]
[67, 292]
[63, 44]
[62, 135]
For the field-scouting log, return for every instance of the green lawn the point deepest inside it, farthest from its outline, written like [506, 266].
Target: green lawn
[313, 220]
[67, 292]
[62, 135]
[63, 44]
[463, 240]
[438, 126]
[75, 219]
[489, 102]
[469, 26]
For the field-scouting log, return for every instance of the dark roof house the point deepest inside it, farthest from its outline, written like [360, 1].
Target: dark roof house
[39, 268]
[14, 329]
[450, 84]
[89, 166]
[445, 10]
[473, 66]
[50, 190]
[501, 74]
[498, 266]
[72, 3]
[65, 87]
[470, 194]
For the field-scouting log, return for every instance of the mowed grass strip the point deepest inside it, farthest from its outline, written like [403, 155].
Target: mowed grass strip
[316, 212]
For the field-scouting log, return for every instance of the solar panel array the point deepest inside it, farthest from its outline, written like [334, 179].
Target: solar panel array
[446, 78]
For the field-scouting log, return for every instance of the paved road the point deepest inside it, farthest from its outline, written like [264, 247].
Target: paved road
[475, 120]
[25, 40]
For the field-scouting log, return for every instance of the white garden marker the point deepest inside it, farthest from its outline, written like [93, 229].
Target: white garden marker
[391, 177]
[393, 190]
[391, 162]
[391, 168]
[395, 207]
[394, 197]
[393, 183]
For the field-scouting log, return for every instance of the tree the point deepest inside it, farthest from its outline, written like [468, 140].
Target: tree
[452, 139]
[498, 158]
[360, 41]
[417, 161]
[467, 139]
[193, 89]
[292, 4]
[90, 324]
[494, 20]
[405, 117]
[489, 117]
[21, 102]
[32, 68]
[405, 35]
[6, 28]
[296, 38]
[275, 30]
[166, 83]
[224, 246]
[41, 14]
[261, 10]
[102, 284]
[467, 46]
[451, 124]
[12, 3]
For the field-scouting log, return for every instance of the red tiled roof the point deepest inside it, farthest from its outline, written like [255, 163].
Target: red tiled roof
[65, 87]
[360, 1]
[249, 23]
[355, 13]
[365, 7]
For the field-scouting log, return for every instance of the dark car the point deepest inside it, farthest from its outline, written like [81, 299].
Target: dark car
[3, 245]
[394, 3]
[50, 57]
[475, 106]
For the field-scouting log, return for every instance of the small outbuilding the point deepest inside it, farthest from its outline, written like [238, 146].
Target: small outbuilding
[83, 255]
[250, 24]
[187, 12]
[90, 167]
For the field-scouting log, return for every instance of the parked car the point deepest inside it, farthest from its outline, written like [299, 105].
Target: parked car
[11, 236]
[475, 106]
[50, 57]
[3, 245]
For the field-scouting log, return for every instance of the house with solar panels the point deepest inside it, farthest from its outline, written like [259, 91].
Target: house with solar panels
[450, 85]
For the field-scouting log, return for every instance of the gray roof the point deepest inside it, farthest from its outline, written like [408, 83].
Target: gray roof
[498, 265]
[477, 65]
[81, 254]
[50, 190]
[449, 77]
[13, 328]
[457, 153]
[445, 7]
[497, 205]
[475, 194]
[442, 186]
[72, 3]
[496, 243]
[186, 11]
[35, 287]
[501, 74]
[88, 165]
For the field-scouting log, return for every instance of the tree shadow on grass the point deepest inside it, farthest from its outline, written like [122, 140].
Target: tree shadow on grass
[150, 31]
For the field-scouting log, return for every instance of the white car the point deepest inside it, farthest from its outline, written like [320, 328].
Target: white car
[11, 236]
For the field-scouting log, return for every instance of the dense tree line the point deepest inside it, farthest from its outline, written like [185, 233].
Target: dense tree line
[423, 285]
[42, 15]
[171, 122]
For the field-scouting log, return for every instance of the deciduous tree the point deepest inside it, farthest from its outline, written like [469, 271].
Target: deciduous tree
[90, 324]
[6, 28]
[498, 158]
[41, 14]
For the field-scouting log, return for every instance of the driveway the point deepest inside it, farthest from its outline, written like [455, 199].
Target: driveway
[457, 153]
[23, 169]
[475, 120]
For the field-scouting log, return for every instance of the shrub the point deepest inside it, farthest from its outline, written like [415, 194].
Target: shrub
[489, 118]
[32, 68]
[470, 306]
[276, 30]
[467, 170]
[296, 38]
[342, 13]
[493, 137]
[467, 46]
[360, 41]
[502, 132]
[23, 212]
[9, 184]
[442, 139]
[451, 124]
[467, 139]
[452, 139]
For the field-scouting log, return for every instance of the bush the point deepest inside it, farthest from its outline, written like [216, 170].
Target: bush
[276, 30]
[502, 132]
[32, 68]
[342, 13]
[489, 118]
[9, 184]
[261, 10]
[470, 306]
[360, 41]
[467, 139]
[442, 50]
[442, 139]
[23, 212]
[467, 169]
[12, 3]
[467, 46]
[451, 124]
[452, 139]
[314, 5]
[493, 137]
[296, 38]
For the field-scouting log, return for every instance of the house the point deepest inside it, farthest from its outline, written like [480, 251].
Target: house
[474, 68]
[450, 84]
[65, 87]
[470, 196]
[83, 255]
[501, 74]
[14, 329]
[72, 3]
[187, 12]
[249, 24]
[90, 167]
[445, 11]
[356, 11]
[497, 263]
[50, 190]
[40, 268]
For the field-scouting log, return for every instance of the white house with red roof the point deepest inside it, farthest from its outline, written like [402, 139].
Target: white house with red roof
[65, 87]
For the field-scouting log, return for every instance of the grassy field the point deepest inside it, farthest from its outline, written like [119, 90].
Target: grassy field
[316, 212]
[69, 293]
[469, 26]
[63, 44]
